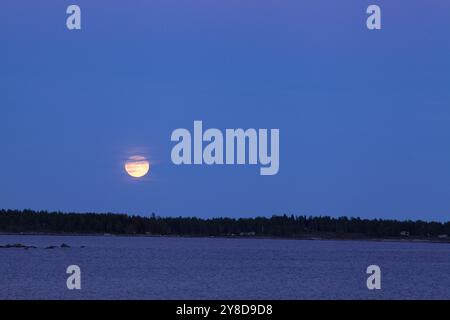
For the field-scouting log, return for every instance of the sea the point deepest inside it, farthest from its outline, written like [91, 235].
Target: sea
[172, 268]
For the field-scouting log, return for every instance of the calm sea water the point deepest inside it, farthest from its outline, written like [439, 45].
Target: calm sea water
[191, 268]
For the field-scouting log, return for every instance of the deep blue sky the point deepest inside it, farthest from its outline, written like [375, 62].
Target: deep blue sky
[364, 116]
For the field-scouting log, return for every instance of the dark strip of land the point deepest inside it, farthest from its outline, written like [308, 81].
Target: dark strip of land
[278, 226]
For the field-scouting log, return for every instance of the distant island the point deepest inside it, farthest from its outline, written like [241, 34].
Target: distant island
[277, 226]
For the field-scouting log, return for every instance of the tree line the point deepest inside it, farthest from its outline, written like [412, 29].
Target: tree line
[283, 226]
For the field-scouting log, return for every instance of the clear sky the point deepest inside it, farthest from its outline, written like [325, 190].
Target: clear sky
[364, 116]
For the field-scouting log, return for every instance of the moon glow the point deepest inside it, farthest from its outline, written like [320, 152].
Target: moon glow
[137, 166]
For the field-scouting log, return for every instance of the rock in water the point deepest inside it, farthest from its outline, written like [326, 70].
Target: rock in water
[16, 245]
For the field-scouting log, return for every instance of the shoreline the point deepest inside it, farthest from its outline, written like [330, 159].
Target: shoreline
[237, 237]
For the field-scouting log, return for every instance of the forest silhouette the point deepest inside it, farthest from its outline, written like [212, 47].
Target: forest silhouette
[277, 226]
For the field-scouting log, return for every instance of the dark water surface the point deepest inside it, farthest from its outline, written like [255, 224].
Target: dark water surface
[200, 268]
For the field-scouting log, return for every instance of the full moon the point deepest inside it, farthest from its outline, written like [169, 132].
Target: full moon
[137, 166]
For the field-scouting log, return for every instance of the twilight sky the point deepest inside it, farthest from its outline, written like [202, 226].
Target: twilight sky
[364, 116]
